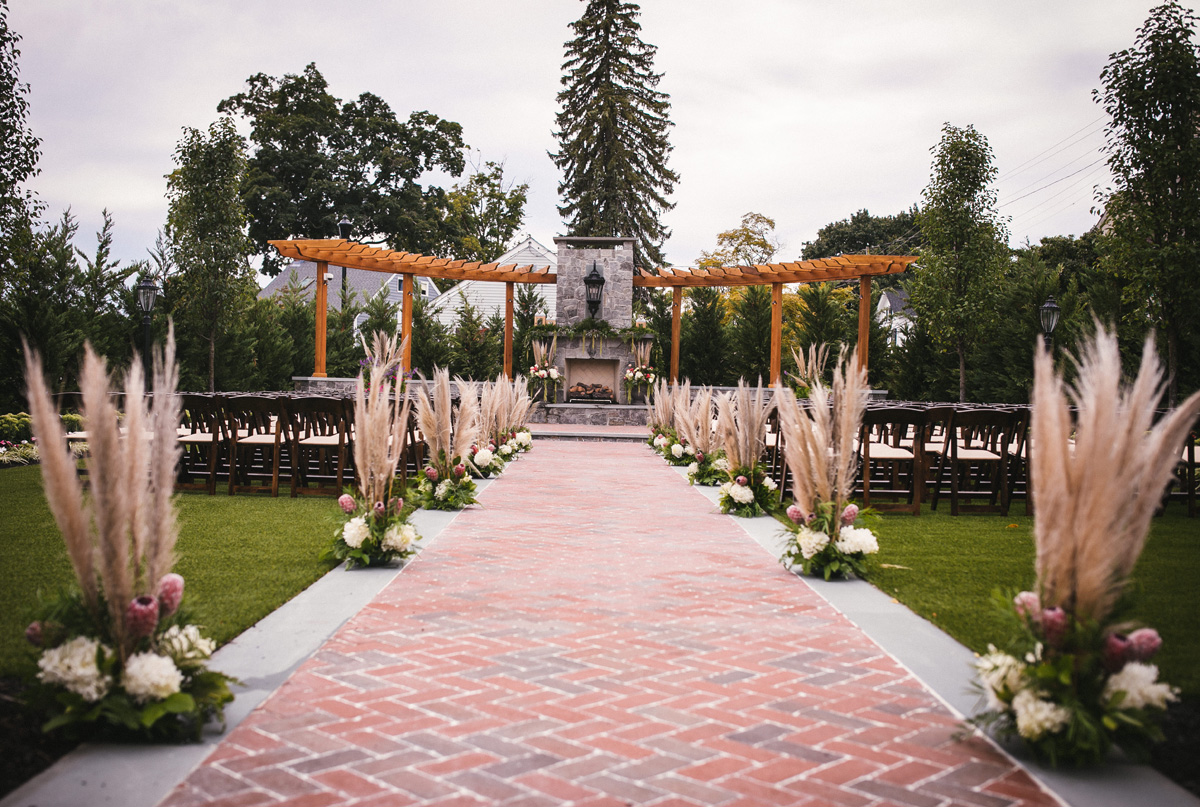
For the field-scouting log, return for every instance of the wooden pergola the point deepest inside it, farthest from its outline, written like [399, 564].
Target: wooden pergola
[353, 255]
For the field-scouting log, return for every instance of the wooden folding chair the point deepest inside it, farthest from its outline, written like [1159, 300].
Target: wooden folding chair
[893, 458]
[257, 426]
[203, 435]
[977, 459]
[319, 439]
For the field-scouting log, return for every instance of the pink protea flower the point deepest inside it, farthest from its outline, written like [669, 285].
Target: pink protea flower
[849, 514]
[474, 449]
[34, 634]
[492, 447]
[380, 510]
[431, 474]
[459, 470]
[1116, 652]
[141, 616]
[699, 456]
[396, 504]
[346, 502]
[170, 593]
[1144, 643]
[1054, 625]
[743, 481]
[795, 514]
[1029, 606]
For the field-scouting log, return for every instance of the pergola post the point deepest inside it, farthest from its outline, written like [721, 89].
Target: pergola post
[508, 330]
[406, 297]
[776, 330]
[864, 320]
[676, 309]
[322, 305]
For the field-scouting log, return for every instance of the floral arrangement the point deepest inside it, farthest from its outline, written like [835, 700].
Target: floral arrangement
[445, 483]
[749, 493]
[694, 424]
[543, 369]
[377, 530]
[822, 545]
[117, 655]
[486, 461]
[742, 422]
[708, 469]
[810, 370]
[660, 415]
[1078, 679]
[21, 453]
[819, 449]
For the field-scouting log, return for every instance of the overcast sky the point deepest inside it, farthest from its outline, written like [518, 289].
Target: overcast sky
[803, 110]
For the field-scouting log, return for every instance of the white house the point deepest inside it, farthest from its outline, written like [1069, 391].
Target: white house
[895, 312]
[488, 296]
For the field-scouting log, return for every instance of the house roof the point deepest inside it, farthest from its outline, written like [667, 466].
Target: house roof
[487, 297]
[361, 282]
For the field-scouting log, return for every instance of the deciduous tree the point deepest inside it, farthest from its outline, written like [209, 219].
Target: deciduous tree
[953, 291]
[612, 132]
[1152, 96]
[486, 213]
[318, 160]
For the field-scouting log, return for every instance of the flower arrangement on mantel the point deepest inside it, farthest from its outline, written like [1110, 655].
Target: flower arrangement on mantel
[642, 375]
[543, 370]
[118, 657]
[376, 531]
[825, 538]
[445, 483]
[1078, 678]
[742, 420]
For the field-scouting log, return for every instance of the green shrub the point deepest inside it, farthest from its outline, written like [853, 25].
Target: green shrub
[16, 427]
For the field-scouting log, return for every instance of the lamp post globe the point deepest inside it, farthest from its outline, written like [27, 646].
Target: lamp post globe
[1049, 314]
[147, 296]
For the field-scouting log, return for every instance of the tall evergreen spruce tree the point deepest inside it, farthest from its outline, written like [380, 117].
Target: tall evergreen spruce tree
[612, 132]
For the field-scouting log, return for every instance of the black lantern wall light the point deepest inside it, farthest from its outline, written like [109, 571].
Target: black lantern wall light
[594, 287]
[1049, 313]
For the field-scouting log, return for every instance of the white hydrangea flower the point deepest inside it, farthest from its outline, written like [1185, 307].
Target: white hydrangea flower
[554, 373]
[399, 537]
[999, 672]
[526, 438]
[442, 491]
[769, 484]
[811, 542]
[856, 539]
[741, 494]
[1139, 683]
[690, 451]
[505, 449]
[149, 676]
[721, 464]
[1036, 717]
[186, 644]
[660, 441]
[73, 665]
[355, 532]
[483, 458]
[694, 468]
[676, 451]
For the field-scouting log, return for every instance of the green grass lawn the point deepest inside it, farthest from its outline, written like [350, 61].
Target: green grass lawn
[945, 569]
[241, 556]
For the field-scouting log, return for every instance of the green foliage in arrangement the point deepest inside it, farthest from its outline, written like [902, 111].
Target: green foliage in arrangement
[242, 557]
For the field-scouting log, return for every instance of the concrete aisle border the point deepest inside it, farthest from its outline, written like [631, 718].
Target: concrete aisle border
[262, 657]
[945, 666]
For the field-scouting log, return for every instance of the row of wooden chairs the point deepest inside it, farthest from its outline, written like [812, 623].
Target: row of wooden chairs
[253, 442]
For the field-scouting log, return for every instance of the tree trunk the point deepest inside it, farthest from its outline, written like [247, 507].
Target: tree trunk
[212, 360]
[1172, 367]
[962, 372]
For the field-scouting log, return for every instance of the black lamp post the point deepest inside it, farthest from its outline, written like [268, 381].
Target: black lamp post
[147, 296]
[594, 287]
[1049, 313]
[344, 229]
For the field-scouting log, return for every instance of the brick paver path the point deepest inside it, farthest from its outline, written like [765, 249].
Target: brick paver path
[596, 634]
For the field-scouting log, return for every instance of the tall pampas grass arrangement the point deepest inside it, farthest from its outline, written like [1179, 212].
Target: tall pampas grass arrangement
[810, 368]
[822, 456]
[1078, 678]
[449, 434]
[118, 655]
[742, 422]
[377, 530]
[694, 423]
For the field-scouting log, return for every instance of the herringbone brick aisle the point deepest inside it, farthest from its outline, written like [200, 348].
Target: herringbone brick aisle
[596, 634]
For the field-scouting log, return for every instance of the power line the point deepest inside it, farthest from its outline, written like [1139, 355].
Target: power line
[1054, 182]
[1020, 168]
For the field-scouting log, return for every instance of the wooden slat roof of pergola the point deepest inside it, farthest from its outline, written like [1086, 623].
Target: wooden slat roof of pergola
[844, 267]
[353, 255]
[377, 259]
